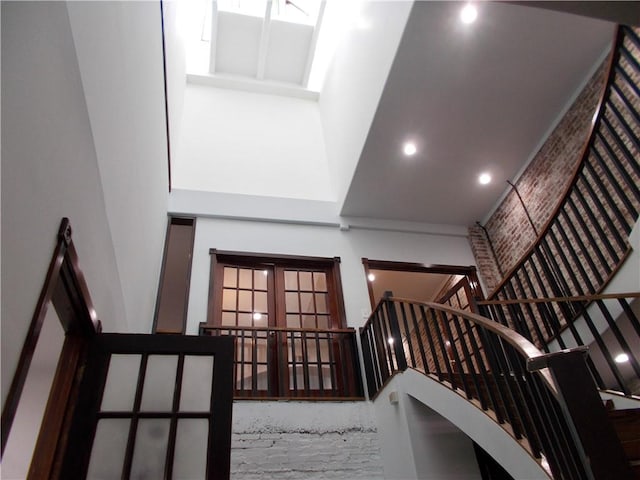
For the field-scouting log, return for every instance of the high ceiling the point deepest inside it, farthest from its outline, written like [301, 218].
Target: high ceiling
[473, 98]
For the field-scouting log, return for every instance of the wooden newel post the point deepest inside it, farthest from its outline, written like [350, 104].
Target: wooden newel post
[592, 430]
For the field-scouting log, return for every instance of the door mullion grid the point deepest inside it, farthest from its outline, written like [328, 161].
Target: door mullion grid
[171, 445]
[133, 427]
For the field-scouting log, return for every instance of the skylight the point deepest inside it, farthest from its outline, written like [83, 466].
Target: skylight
[266, 41]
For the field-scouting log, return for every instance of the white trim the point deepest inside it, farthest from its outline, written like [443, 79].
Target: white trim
[213, 40]
[257, 208]
[252, 85]
[312, 45]
[264, 41]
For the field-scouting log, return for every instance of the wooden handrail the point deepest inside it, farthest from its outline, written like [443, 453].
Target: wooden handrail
[208, 326]
[578, 298]
[523, 346]
[613, 57]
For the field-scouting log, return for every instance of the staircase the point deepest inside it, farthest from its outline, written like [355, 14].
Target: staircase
[627, 425]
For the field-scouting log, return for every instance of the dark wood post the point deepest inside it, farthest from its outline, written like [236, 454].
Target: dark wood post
[580, 401]
[395, 332]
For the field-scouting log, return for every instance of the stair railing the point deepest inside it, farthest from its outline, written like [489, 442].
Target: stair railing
[585, 241]
[504, 375]
[608, 324]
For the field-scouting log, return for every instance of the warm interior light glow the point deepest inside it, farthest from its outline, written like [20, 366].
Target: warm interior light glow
[468, 14]
[265, 273]
[257, 316]
[484, 178]
[409, 149]
[390, 340]
[622, 358]
[371, 277]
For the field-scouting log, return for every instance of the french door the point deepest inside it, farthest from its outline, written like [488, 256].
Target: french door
[153, 407]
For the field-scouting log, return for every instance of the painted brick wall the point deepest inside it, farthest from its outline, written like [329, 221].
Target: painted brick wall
[541, 186]
[310, 440]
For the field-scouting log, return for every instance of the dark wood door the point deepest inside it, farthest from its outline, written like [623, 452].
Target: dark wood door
[152, 407]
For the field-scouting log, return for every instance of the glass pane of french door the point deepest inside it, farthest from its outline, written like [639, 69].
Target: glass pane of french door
[170, 420]
[247, 299]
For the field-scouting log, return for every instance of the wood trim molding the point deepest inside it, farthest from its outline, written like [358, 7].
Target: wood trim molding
[65, 287]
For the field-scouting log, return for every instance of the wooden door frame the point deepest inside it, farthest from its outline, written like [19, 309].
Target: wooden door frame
[65, 287]
[469, 271]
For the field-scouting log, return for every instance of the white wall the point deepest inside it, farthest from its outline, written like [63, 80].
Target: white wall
[101, 161]
[176, 71]
[49, 170]
[119, 51]
[250, 143]
[351, 246]
[310, 440]
[354, 83]
[408, 447]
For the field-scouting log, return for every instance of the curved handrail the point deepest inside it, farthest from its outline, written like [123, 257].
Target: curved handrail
[483, 360]
[523, 346]
[581, 165]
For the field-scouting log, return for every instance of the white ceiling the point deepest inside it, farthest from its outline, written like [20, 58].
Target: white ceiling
[474, 98]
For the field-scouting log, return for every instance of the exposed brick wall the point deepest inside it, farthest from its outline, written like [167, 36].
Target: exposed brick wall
[541, 186]
[310, 440]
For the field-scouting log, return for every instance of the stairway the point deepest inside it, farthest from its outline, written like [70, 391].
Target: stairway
[627, 425]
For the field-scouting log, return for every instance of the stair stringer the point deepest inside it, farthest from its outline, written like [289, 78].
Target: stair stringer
[477, 425]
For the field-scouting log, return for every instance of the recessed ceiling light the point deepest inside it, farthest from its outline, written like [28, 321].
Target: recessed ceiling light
[621, 358]
[371, 277]
[484, 178]
[468, 14]
[409, 149]
[390, 340]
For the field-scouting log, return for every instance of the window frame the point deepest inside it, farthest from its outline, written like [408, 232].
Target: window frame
[278, 263]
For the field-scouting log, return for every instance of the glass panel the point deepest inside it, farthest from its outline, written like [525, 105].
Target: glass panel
[324, 351]
[293, 321]
[245, 278]
[320, 281]
[260, 279]
[228, 299]
[159, 383]
[244, 301]
[321, 303]
[245, 319]
[260, 302]
[246, 374]
[306, 302]
[314, 381]
[239, 384]
[230, 277]
[324, 321]
[228, 318]
[190, 458]
[306, 281]
[290, 280]
[109, 446]
[196, 383]
[261, 350]
[263, 377]
[291, 300]
[308, 321]
[260, 320]
[326, 378]
[149, 454]
[122, 380]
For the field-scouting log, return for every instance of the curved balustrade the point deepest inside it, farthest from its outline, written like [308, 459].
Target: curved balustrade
[484, 362]
[586, 240]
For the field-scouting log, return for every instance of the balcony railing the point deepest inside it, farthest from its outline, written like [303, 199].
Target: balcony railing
[295, 363]
[503, 374]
